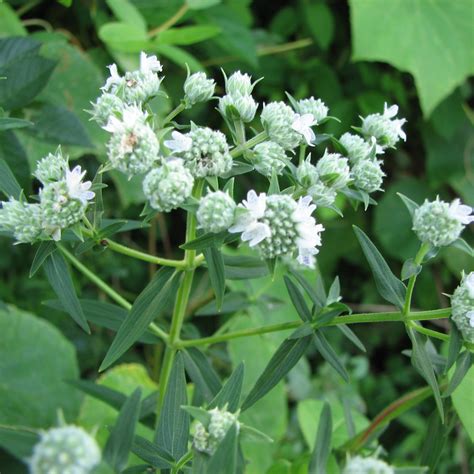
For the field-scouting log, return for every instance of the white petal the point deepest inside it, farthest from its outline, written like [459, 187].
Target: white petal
[256, 204]
[391, 111]
[256, 233]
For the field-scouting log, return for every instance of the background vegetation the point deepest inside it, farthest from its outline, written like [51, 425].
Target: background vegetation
[355, 56]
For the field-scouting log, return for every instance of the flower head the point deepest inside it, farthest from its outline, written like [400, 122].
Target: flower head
[76, 188]
[198, 88]
[462, 304]
[358, 148]
[216, 212]
[302, 124]
[51, 168]
[360, 465]
[239, 84]
[315, 107]
[268, 157]
[368, 175]
[179, 143]
[22, 219]
[149, 64]
[461, 212]
[333, 170]
[278, 118]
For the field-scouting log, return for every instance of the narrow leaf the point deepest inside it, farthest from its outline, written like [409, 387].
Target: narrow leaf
[231, 391]
[152, 453]
[329, 355]
[349, 333]
[410, 268]
[44, 250]
[18, 441]
[8, 183]
[59, 278]
[388, 285]
[224, 460]
[8, 123]
[322, 446]
[297, 299]
[463, 364]
[204, 241]
[120, 440]
[434, 441]
[455, 345]
[412, 206]
[215, 266]
[284, 359]
[316, 297]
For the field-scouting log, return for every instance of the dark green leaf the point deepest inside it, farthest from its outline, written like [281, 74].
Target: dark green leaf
[224, 460]
[44, 250]
[317, 297]
[388, 285]
[15, 156]
[8, 183]
[349, 333]
[233, 302]
[204, 241]
[455, 345]
[152, 301]
[322, 446]
[201, 373]
[230, 393]
[297, 299]
[151, 453]
[410, 268]
[8, 123]
[18, 440]
[173, 426]
[462, 245]
[244, 267]
[59, 278]
[187, 35]
[215, 266]
[334, 294]
[198, 414]
[304, 330]
[463, 364]
[120, 440]
[328, 353]
[284, 359]
[411, 205]
[434, 442]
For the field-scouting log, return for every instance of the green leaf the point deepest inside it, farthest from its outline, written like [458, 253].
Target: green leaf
[224, 460]
[215, 266]
[388, 285]
[10, 23]
[204, 241]
[349, 333]
[125, 11]
[232, 303]
[244, 267]
[201, 4]
[231, 391]
[151, 453]
[120, 440]
[179, 56]
[187, 35]
[463, 401]
[322, 446]
[461, 244]
[434, 442]
[198, 414]
[17, 440]
[42, 253]
[455, 346]
[15, 156]
[318, 298]
[328, 353]
[334, 294]
[124, 37]
[57, 273]
[422, 363]
[152, 301]
[284, 359]
[410, 268]
[8, 183]
[201, 373]
[173, 427]
[8, 123]
[376, 37]
[320, 21]
[412, 206]
[297, 299]
[463, 364]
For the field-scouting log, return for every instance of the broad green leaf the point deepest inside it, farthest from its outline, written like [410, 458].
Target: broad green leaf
[124, 37]
[230, 392]
[152, 301]
[126, 11]
[201, 373]
[121, 438]
[173, 427]
[322, 445]
[463, 364]
[60, 279]
[179, 56]
[328, 353]
[8, 183]
[151, 453]
[35, 362]
[215, 266]
[201, 4]
[376, 37]
[319, 18]
[388, 285]
[187, 35]
[44, 250]
[461, 244]
[284, 359]
[422, 363]
[297, 299]
[10, 23]
[17, 440]
[224, 460]
[8, 123]
[463, 401]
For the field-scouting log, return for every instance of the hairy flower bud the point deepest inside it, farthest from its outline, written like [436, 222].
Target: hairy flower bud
[368, 175]
[241, 107]
[216, 212]
[24, 220]
[278, 119]
[168, 186]
[322, 195]
[384, 127]
[208, 154]
[105, 106]
[268, 157]
[315, 107]
[462, 304]
[333, 170]
[360, 465]
[198, 88]
[68, 449]
[440, 223]
[239, 84]
[357, 148]
[51, 168]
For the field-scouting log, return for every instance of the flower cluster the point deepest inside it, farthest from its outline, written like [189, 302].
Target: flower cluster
[360, 465]
[68, 449]
[207, 438]
[238, 103]
[63, 201]
[386, 129]
[462, 304]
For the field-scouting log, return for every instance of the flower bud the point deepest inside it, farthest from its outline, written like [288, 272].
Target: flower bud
[322, 195]
[360, 465]
[239, 84]
[333, 170]
[306, 173]
[68, 449]
[238, 107]
[51, 168]
[198, 88]
[462, 305]
[105, 106]
[24, 220]
[357, 148]
[168, 186]
[216, 212]
[440, 223]
[384, 127]
[278, 119]
[268, 157]
[368, 175]
[315, 107]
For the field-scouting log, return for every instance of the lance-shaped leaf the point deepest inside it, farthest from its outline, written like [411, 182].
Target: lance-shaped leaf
[297, 299]
[18, 440]
[44, 250]
[322, 446]
[388, 285]
[152, 453]
[8, 183]
[173, 427]
[59, 278]
[463, 364]
[231, 391]
[411, 205]
[152, 301]
[215, 266]
[329, 355]
[120, 440]
[224, 460]
[284, 359]
[317, 294]
[455, 345]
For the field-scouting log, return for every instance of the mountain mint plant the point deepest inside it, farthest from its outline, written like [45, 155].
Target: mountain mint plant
[237, 228]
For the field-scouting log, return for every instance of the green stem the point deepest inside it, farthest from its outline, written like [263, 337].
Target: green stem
[349, 319]
[411, 282]
[119, 299]
[173, 113]
[428, 332]
[261, 137]
[170, 22]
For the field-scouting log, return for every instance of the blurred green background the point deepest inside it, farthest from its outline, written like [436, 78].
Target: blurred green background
[355, 56]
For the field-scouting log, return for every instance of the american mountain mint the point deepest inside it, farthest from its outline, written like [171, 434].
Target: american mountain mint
[198, 88]
[385, 128]
[333, 170]
[216, 212]
[22, 219]
[106, 106]
[65, 450]
[439, 223]
[269, 157]
[462, 304]
[368, 175]
[315, 107]
[360, 465]
[357, 147]
[51, 168]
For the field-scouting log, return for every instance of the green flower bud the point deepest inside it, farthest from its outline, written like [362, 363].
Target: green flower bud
[360, 465]
[268, 157]
[105, 106]
[198, 88]
[322, 195]
[51, 168]
[384, 127]
[357, 148]
[368, 175]
[277, 119]
[216, 212]
[462, 304]
[241, 107]
[315, 107]
[239, 84]
[24, 220]
[333, 170]
[68, 449]
[306, 173]
[168, 186]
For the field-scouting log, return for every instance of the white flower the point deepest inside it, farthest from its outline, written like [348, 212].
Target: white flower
[469, 282]
[131, 116]
[461, 212]
[114, 78]
[389, 113]
[149, 63]
[309, 232]
[470, 317]
[247, 222]
[76, 188]
[302, 124]
[180, 142]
